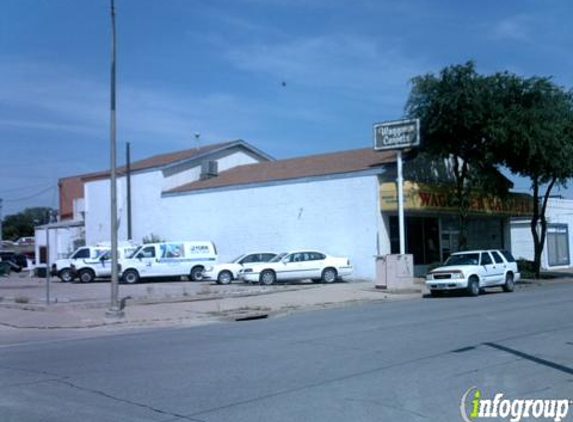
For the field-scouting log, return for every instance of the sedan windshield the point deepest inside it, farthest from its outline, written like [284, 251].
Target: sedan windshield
[278, 257]
[237, 259]
[462, 259]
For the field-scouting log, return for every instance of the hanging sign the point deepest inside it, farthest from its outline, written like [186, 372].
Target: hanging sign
[397, 134]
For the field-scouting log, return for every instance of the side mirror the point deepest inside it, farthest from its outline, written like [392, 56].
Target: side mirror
[284, 260]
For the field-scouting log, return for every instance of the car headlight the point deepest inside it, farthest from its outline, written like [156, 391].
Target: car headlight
[457, 275]
[429, 276]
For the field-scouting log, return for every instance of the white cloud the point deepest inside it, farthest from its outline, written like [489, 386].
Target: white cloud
[514, 28]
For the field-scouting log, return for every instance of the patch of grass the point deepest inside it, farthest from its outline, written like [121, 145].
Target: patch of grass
[253, 308]
[205, 290]
[526, 268]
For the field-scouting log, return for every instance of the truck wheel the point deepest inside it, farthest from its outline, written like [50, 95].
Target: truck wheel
[86, 276]
[66, 275]
[509, 283]
[473, 286]
[130, 276]
[196, 273]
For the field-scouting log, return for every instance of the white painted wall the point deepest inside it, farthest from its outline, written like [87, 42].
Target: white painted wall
[340, 217]
[146, 207]
[559, 211]
[146, 189]
[61, 242]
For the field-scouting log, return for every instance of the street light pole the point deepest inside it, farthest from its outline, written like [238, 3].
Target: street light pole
[114, 310]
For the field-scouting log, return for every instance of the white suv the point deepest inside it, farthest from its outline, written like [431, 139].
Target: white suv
[473, 271]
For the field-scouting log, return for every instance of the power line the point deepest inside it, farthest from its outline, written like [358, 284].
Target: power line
[23, 188]
[25, 198]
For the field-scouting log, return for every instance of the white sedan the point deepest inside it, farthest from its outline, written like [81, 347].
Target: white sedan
[297, 265]
[226, 273]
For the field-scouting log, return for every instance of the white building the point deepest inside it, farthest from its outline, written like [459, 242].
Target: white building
[556, 253]
[64, 238]
[343, 203]
[149, 180]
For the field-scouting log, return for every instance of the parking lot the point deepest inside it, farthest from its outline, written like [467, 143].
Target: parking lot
[22, 289]
[76, 305]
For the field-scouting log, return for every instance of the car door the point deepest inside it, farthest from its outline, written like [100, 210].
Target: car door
[488, 268]
[314, 264]
[292, 267]
[500, 267]
[147, 261]
[172, 260]
[102, 265]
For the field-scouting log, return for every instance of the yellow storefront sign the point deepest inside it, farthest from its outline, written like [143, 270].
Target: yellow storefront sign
[420, 197]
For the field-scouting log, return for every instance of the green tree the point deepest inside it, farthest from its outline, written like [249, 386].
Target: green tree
[534, 139]
[22, 224]
[456, 109]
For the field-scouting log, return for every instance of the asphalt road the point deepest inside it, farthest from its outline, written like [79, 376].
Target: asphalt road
[405, 361]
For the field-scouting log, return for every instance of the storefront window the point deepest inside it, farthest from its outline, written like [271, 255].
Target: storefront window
[422, 238]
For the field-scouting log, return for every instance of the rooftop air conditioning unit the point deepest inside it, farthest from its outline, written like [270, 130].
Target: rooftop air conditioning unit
[209, 169]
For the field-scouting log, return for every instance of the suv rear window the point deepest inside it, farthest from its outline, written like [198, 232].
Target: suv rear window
[496, 257]
[508, 256]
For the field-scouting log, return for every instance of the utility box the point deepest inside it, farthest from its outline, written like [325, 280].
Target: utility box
[395, 272]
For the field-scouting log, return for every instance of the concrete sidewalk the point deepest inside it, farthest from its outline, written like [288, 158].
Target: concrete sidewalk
[195, 311]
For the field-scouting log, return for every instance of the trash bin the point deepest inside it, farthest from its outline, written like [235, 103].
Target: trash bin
[5, 268]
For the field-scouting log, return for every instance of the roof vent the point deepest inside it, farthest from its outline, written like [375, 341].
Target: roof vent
[209, 169]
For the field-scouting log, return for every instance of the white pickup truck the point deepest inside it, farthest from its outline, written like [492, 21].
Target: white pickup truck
[90, 262]
[65, 269]
[474, 271]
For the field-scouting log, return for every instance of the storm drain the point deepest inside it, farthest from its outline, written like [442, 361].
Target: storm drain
[252, 317]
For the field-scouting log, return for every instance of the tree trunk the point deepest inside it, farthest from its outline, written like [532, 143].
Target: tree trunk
[537, 249]
[539, 220]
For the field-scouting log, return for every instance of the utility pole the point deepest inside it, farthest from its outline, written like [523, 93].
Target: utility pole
[401, 219]
[1, 220]
[47, 226]
[128, 182]
[114, 310]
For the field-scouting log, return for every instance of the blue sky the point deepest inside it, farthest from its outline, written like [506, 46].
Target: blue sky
[217, 67]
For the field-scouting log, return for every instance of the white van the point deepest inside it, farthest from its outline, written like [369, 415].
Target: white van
[169, 259]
